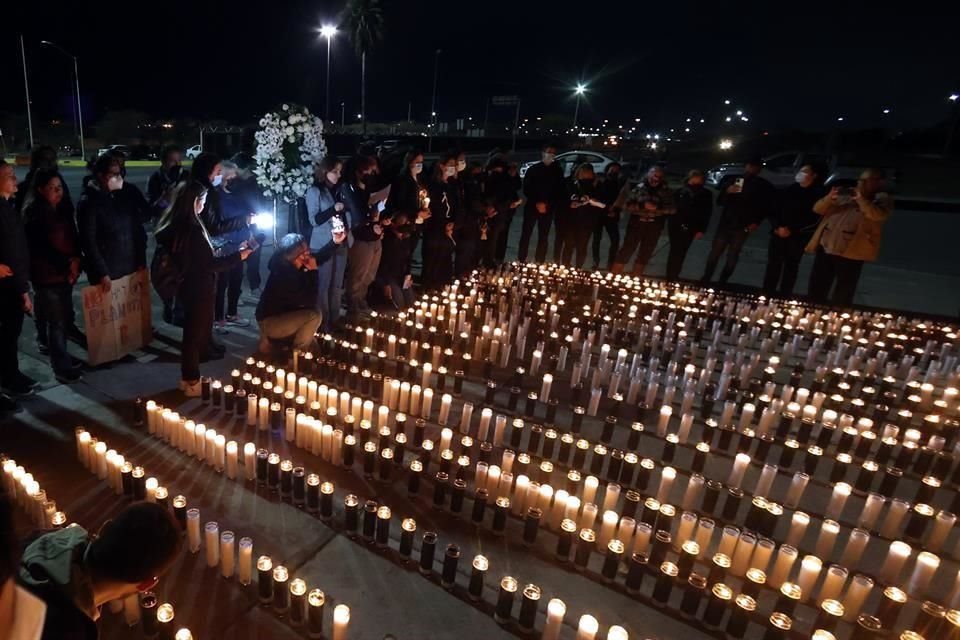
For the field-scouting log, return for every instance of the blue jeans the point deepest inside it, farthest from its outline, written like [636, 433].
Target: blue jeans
[54, 305]
[330, 287]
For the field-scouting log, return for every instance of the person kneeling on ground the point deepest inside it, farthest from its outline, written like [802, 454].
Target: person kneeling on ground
[75, 572]
[287, 308]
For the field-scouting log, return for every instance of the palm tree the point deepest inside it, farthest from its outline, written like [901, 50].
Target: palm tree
[363, 19]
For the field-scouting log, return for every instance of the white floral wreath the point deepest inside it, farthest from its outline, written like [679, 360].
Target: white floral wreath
[289, 142]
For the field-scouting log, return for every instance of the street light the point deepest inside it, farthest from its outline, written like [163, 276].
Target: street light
[953, 97]
[328, 31]
[433, 99]
[579, 91]
[76, 76]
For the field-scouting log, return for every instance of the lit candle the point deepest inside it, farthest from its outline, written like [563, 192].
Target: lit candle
[833, 583]
[556, 610]
[827, 538]
[232, 462]
[341, 619]
[587, 628]
[151, 488]
[250, 461]
[871, 510]
[445, 403]
[786, 556]
[841, 491]
[740, 464]
[193, 530]
[857, 594]
[427, 404]
[897, 555]
[797, 487]
[809, 572]
[667, 477]
[856, 546]
[245, 566]
[923, 572]
[212, 541]
[227, 561]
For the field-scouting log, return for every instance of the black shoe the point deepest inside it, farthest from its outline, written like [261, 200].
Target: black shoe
[21, 386]
[43, 348]
[75, 334]
[68, 376]
[217, 348]
[8, 404]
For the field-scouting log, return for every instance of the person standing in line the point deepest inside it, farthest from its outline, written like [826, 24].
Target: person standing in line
[746, 202]
[792, 226]
[364, 256]
[500, 199]
[54, 266]
[847, 236]
[583, 212]
[470, 181]
[608, 188]
[14, 291]
[439, 271]
[408, 195]
[328, 215]
[694, 207]
[237, 209]
[649, 203]
[161, 188]
[513, 187]
[246, 183]
[393, 275]
[112, 236]
[545, 193]
[444, 207]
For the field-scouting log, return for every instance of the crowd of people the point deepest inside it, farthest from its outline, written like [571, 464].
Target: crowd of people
[358, 231]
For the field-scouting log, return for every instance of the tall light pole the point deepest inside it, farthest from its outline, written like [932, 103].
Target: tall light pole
[579, 91]
[26, 89]
[328, 31]
[433, 99]
[76, 76]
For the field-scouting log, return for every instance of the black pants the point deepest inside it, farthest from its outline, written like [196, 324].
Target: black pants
[467, 251]
[53, 306]
[730, 241]
[837, 273]
[642, 238]
[681, 238]
[504, 234]
[542, 222]
[610, 224]
[253, 263]
[196, 296]
[783, 263]
[11, 323]
[228, 284]
[576, 239]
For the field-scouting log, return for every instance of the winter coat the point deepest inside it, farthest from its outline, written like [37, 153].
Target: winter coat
[162, 185]
[694, 207]
[112, 237]
[288, 288]
[754, 204]
[53, 241]
[633, 199]
[865, 243]
[14, 251]
[405, 196]
[543, 183]
[795, 209]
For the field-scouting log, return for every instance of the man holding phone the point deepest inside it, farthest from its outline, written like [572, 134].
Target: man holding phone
[848, 235]
[746, 201]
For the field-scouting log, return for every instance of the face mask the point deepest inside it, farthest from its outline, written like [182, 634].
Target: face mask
[417, 168]
[548, 158]
[217, 180]
[801, 177]
[175, 171]
[115, 183]
[451, 171]
[461, 165]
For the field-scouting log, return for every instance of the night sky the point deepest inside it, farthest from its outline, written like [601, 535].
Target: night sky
[798, 64]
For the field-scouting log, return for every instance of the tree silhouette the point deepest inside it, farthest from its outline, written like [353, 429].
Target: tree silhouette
[363, 19]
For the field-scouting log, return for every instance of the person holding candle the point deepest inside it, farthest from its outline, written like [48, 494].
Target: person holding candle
[792, 225]
[583, 212]
[847, 236]
[648, 203]
[393, 276]
[694, 206]
[608, 188]
[500, 201]
[328, 214]
[364, 256]
[237, 203]
[287, 308]
[75, 573]
[545, 193]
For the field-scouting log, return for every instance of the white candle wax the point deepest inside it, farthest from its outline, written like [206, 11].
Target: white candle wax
[833, 583]
[809, 572]
[341, 619]
[611, 497]
[841, 491]
[587, 628]
[798, 527]
[895, 515]
[827, 539]
[590, 485]
[740, 561]
[691, 497]
[212, 542]
[608, 527]
[786, 556]
[942, 526]
[855, 548]
[559, 507]
[595, 396]
[226, 554]
[740, 465]
[151, 485]
[193, 530]
[232, 463]
[250, 461]
[556, 610]
[545, 387]
[797, 487]
[923, 572]
[871, 510]
[856, 596]
[667, 476]
[245, 565]
[427, 404]
[445, 403]
[704, 537]
[251, 410]
[765, 483]
[897, 555]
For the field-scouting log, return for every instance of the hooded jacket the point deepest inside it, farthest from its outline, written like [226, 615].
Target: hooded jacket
[52, 568]
[111, 230]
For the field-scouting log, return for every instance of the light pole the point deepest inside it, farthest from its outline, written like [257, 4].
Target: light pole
[343, 110]
[433, 100]
[328, 31]
[76, 77]
[579, 91]
[26, 89]
[954, 100]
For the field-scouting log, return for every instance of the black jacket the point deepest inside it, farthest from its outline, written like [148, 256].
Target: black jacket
[694, 207]
[608, 189]
[111, 230]
[754, 204]
[289, 289]
[794, 209]
[13, 250]
[357, 201]
[404, 196]
[53, 240]
[161, 185]
[395, 259]
[438, 265]
[544, 183]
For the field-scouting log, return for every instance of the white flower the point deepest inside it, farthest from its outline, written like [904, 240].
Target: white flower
[286, 107]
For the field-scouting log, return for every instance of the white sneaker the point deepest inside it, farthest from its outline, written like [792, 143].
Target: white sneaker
[190, 389]
[237, 321]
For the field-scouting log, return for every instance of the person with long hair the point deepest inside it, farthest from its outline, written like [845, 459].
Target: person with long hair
[236, 206]
[444, 194]
[54, 265]
[608, 221]
[363, 257]
[194, 219]
[471, 182]
[581, 216]
[328, 214]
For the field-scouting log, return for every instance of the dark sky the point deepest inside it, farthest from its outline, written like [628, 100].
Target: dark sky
[783, 63]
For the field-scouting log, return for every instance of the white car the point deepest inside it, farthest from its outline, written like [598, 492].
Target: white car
[570, 160]
[193, 152]
[780, 169]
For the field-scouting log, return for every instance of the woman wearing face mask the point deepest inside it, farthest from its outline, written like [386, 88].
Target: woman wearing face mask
[393, 275]
[444, 194]
[328, 213]
[608, 220]
[793, 224]
[112, 237]
[364, 256]
[189, 227]
[236, 206]
[467, 233]
[54, 266]
[583, 211]
[694, 206]
[408, 193]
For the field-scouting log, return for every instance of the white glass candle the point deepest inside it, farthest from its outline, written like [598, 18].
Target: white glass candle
[897, 555]
[212, 542]
[809, 572]
[545, 387]
[856, 596]
[923, 572]
[833, 583]
[445, 402]
[587, 628]
[572, 509]
[556, 610]
[232, 463]
[798, 527]
[740, 561]
[250, 461]
[667, 476]
[664, 420]
[151, 485]
[827, 539]
[519, 500]
[245, 565]
[855, 548]
[871, 510]
[765, 483]
[427, 404]
[608, 527]
[227, 561]
[841, 491]
[894, 518]
[740, 464]
[942, 526]
[559, 508]
[786, 557]
[705, 529]
[341, 619]
[193, 530]
[797, 487]
[590, 485]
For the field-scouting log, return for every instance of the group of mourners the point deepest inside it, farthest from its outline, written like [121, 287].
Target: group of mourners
[359, 230]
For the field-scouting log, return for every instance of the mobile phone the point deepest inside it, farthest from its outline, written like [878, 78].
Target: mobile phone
[739, 183]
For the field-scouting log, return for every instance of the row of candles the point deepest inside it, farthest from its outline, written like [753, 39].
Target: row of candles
[376, 521]
[25, 492]
[288, 597]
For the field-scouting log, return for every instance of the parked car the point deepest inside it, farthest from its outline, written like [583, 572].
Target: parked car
[143, 152]
[387, 146]
[780, 169]
[122, 148]
[194, 151]
[570, 160]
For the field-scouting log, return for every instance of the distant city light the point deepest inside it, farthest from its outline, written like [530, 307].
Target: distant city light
[686, 129]
[840, 119]
[702, 120]
[727, 102]
[886, 111]
[729, 118]
[739, 113]
[954, 97]
[580, 89]
[745, 119]
[726, 144]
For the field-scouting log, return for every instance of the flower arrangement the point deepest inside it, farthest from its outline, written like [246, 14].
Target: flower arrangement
[289, 142]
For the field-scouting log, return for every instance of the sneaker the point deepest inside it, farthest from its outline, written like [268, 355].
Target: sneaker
[22, 385]
[68, 377]
[8, 404]
[237, 321]
[220, 328]
[190, 388]
[43, 348]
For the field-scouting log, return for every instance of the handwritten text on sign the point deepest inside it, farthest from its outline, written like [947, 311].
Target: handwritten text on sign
[117, 321]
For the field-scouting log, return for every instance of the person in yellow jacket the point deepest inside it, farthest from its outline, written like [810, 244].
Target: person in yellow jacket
[848, 235]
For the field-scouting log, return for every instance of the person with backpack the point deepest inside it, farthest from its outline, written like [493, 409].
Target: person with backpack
[185, 236]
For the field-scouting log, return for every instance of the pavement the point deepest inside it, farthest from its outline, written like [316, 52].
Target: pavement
[917, 271]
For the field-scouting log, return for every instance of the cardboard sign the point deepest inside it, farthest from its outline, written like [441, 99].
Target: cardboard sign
[118, 321]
